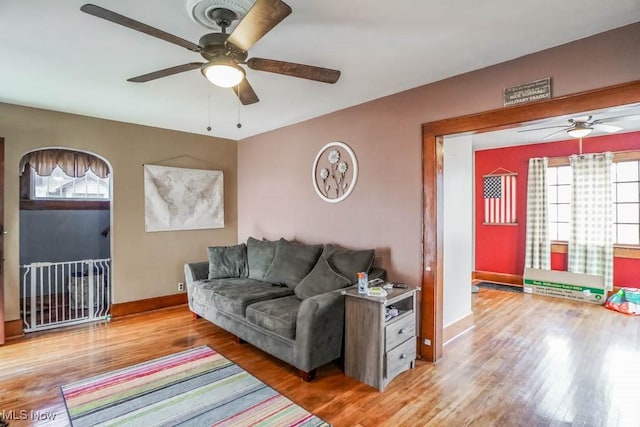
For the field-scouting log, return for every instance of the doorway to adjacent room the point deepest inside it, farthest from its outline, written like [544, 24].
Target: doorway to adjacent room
[432, 328]
[65, 223]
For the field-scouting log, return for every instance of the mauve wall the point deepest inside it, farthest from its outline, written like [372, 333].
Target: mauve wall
[275, 195]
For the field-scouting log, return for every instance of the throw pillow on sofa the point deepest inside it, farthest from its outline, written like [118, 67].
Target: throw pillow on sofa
[348, 262]
[260, 255]
[292, 262]
[321, 279]
[227, 261]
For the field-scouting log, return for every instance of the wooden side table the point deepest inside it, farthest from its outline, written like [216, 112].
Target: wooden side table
[378, 350]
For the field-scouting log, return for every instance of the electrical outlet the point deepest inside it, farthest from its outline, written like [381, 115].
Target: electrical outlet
[180, 286]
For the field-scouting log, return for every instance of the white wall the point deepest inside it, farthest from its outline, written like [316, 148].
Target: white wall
[458, 228]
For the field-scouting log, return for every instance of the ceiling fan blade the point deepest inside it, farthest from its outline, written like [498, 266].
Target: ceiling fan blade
[548, 127]
[616, 118]
[261, 18]
[166, 72]
[246, 93]
[302, 71]
[116, 18]
[553, 133]
[606, 128]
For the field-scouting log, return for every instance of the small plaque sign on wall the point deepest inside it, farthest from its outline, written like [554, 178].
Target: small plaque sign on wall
[528, 92]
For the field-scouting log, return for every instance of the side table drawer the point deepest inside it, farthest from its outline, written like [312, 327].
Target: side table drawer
[398, 332]
[400, 359]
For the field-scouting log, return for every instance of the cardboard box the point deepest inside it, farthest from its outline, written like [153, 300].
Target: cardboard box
[563, 284]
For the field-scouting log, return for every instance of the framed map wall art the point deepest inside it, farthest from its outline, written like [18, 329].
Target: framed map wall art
[182, 199]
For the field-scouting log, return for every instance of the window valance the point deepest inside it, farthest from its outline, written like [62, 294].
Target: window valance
[73, 163]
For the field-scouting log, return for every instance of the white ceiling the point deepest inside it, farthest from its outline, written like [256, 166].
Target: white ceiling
[55, 57]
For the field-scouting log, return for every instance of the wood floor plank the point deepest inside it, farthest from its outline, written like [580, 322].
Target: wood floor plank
[530, 361]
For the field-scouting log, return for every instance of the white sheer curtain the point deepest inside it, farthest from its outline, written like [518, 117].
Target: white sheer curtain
[538, 251]
[591, 236]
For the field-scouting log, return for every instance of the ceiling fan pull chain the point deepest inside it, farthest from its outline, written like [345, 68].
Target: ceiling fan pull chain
[209, 112]
[239, 125]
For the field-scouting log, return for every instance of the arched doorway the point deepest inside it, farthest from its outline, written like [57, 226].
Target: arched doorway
[64, 238]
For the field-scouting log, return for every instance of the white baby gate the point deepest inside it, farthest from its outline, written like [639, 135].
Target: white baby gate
[56, 294]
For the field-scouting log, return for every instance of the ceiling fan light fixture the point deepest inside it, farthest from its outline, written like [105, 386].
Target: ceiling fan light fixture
[223, 73]
[579, 131]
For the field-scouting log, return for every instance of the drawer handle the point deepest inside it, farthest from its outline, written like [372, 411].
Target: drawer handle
[403, 356]
[401, 331]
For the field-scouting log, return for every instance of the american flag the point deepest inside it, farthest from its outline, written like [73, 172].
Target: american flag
[499, 199]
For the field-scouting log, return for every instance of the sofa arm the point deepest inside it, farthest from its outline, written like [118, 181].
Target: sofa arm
[377, 273]
[319, 330]
[196, 271]
[192, 273]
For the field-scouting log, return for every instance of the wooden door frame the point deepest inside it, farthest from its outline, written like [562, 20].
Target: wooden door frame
[2, 241]
[433, 208]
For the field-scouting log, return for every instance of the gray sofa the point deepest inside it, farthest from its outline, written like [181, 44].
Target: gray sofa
[280, 296]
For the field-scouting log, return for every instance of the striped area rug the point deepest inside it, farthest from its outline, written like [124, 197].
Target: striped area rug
[197, 387]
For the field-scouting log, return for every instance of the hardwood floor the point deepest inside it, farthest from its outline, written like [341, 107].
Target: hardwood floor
[530, 361]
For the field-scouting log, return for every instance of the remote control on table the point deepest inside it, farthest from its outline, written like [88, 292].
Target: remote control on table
[400, 285]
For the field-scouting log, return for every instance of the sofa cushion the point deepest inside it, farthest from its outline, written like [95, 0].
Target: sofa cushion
[260, 255]
[322, 278]
[234, 295]
[348, 262]
[277, 315]
[227, 261]
[292, 262]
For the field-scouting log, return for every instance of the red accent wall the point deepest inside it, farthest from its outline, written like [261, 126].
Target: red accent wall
[500, 248]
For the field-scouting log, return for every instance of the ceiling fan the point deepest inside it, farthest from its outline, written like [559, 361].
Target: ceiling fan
[579, 127]
[224, 52]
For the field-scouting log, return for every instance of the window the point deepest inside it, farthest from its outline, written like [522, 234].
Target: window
[626, 202]
[626, 198]
[60, 179]
[559, 195]
[59, 185]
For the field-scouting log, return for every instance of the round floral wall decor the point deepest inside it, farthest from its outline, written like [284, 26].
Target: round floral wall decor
[335, 172]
